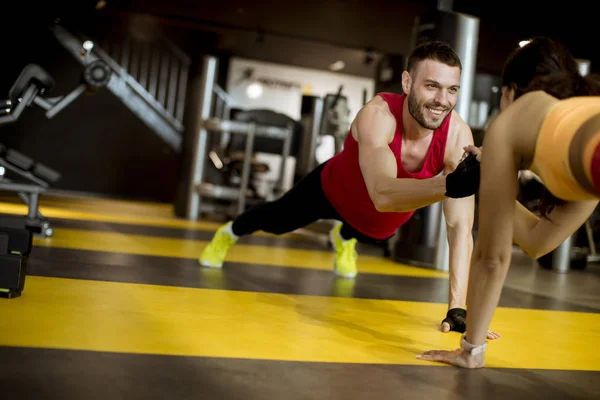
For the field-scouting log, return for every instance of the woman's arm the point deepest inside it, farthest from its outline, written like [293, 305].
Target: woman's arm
[539, 236]
[493, 250]
[509, 140]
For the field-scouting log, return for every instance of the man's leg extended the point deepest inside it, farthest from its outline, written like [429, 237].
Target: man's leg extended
[303, 204]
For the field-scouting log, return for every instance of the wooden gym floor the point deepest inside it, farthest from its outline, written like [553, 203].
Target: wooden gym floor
[116, 306]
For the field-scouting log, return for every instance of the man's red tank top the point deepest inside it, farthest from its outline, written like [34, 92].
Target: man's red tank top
[344, 186]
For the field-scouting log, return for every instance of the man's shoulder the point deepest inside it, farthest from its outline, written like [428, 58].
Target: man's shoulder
[458, 129]
[377, 108]
[374, 120]
[378, 102]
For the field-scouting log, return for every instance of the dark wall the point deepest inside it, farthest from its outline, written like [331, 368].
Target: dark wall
[97, 144]
[382, 25]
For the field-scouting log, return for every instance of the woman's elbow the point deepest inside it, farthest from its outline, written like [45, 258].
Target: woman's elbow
[536, 253]
[537, 248]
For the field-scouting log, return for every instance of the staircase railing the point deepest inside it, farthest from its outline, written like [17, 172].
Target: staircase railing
[149, 78]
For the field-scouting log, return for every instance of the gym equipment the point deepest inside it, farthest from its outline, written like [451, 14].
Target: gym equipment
[15, 247]
[40, 177]
[336, 118]
[34, 82]
[236, 146]
[251, 131]
[96, 75]
[31, 87]
[311, 116]
[193, 186]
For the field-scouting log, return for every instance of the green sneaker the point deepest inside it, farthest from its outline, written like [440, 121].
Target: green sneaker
[214, 254]
[345, 257]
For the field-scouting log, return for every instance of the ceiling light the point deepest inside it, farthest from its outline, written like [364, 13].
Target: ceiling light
[337, 66]
[254, 90]
[88, 45]
[523, 42]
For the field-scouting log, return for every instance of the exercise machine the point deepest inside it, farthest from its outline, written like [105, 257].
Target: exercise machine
[26, 176]
[34, 83]
[336, 118]
[20, 173]
[197, 195]
[247, 134]
[15, 247]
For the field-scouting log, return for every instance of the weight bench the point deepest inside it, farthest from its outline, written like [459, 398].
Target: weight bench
[24, 175]
[31, 87]
[39, 176]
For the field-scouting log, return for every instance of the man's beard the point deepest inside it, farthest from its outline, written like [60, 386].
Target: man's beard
[415, 109]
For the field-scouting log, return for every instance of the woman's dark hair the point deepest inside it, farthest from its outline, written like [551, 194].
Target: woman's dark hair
[547, 65]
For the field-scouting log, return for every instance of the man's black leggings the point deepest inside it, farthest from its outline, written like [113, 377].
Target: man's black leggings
[302, 205]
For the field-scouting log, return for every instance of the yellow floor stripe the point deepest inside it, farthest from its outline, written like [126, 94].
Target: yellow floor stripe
[116, 206]
[132, 219]
[168, 222]
[182, 248]
[134, 318]
[124, 209]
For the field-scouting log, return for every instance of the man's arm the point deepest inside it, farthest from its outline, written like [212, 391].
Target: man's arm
[538, 236]
[374, 129]
[459, 214]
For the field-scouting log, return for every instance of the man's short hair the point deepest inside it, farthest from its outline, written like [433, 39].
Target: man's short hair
[433, 50]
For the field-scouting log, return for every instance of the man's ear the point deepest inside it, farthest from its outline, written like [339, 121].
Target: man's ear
[406, 82]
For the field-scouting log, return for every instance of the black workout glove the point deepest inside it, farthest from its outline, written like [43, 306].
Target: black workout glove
[457, 319]
[464, 180]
